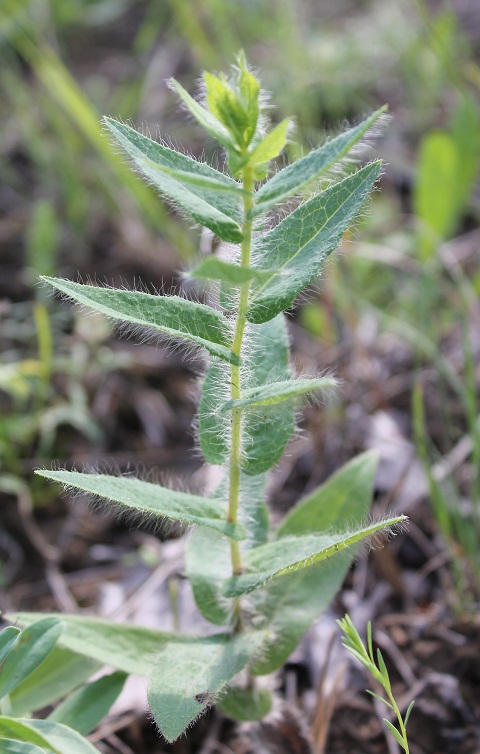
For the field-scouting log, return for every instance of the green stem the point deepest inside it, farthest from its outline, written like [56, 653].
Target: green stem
[236, 447]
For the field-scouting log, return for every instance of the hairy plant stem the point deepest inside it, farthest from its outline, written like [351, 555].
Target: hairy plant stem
[236, 448]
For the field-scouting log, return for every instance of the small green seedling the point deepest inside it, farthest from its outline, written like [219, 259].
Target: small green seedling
[378, 669]
[262, 588]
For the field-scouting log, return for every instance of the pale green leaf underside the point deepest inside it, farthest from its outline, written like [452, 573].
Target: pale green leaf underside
[289, 553]
[186, 678]
[299, 174]
[218, 210]
[212, 268]
[170, 315]
[151, 499]
[125, 647]
[289, 604]
[30, 649]
[277, 392]
[50, 737]
[60, 673]
[299, 245]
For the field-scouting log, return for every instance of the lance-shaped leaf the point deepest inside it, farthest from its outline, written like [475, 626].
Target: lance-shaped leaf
[60, 673]
[28, 652]
[207, 574]
[128, 648]
[212, 268]
[277, 392]
[271, 146]
[289, 553]
[299, 174]
[171, 315]
[84, 709]
[265, 433]
[214, 202]
[209, 122]
[289, 604]
[50, 736]
[150, 499]
[299, 245]
[8, 637]
[186, 680]
[9, 746]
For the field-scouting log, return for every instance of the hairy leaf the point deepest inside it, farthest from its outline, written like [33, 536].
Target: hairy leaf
[61, 672]
[299, 245]
[207, 574]
[265, 433]
[185, 680]
[289, 604]
[84, 709]
[150, 499]
[289, 553]
[299, 174]
[128, 648]
[212, 268]
[171, 315]
[30, 649]
[277, 392]
[271, 146]
[209, 122]
[180, 178]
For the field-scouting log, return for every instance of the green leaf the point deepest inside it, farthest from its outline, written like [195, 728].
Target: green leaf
[277, 392]
[396, 733]
[17, 747]
[28, 652]
[61, 672]
[60, 738]
[84, 709]
[380, 698]
[48, 736]
[20, 730]
[207, 574]
[384, 671]
[171, 315]
[265, 433]
[407, 714]
[186, 679]
[128, 648]
[150, 499]
[209, 122]
[8, 637]
[180, 178]
[289, 553]
[212, 268]
[271, 146]
[299, 245]
[297, 176]
[246, 704]
[345, 497]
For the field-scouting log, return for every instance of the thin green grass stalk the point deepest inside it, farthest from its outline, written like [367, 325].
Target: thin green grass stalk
[378, 670]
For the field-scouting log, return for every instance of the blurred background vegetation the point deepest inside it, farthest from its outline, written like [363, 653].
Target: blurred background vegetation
[397, 311]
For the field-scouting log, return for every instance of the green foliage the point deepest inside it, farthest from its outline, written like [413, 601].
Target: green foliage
[264, 587]
[378, 670]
